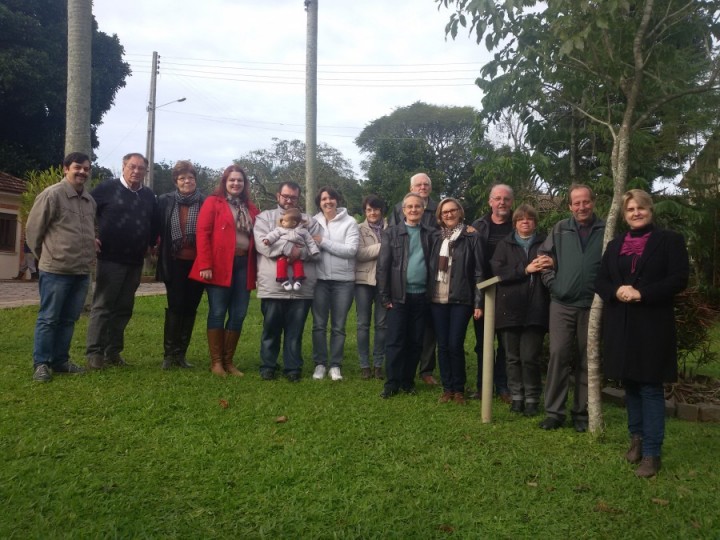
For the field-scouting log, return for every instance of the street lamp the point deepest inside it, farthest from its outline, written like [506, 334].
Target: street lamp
[150, 150]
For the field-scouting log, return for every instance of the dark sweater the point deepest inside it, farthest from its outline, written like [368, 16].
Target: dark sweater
[128, 222]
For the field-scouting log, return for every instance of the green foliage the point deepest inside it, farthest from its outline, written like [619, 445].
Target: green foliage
[33, 75]
[285, 161]
[437, 140]
[695, 320]
[37, 182]
[146, 453]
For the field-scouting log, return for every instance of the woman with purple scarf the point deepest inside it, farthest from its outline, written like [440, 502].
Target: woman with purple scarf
[641, 272]
[179, 211]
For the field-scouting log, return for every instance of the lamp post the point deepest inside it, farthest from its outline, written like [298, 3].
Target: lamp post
[150, 150]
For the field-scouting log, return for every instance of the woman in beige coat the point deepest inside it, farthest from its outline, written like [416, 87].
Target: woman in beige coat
[366, 294]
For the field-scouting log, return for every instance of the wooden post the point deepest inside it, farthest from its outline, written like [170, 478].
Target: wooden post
[489, 286]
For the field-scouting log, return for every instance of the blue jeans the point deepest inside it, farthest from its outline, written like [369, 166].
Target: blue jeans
[112, 307]
[646, 414]
[366, 296]
[282, 317]
[231, 301]
[332, 301]
[405, 327]
[61, 301]
[451, 322]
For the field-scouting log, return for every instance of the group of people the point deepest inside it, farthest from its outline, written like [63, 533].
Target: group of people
[416, 279]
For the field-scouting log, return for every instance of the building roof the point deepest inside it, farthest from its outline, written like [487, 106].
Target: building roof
[11, 184]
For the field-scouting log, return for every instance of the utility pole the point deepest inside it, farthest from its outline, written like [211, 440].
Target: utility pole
[150, 149]
[311, 6]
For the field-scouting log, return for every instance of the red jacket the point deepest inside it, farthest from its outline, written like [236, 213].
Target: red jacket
[216, 243]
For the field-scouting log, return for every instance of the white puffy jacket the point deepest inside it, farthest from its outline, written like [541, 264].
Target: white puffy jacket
[339, 245]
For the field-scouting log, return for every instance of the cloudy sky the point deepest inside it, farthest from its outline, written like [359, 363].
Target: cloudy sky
[241, 66]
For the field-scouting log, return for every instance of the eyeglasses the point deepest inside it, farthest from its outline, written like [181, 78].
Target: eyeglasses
[414, 207]
[449, 212]
[503, 199]
[139, 168]
[289, 197]
[186, 179]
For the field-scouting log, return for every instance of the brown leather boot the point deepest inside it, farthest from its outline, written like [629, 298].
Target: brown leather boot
[634, 453]
[216, 345]
[231, 341]
[649, 466]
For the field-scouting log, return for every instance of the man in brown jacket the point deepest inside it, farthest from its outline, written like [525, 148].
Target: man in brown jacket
[60, 231]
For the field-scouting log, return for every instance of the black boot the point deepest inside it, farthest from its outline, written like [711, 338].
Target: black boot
[171, 338]
[186, 329]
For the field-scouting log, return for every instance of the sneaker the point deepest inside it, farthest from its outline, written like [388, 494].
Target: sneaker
[68, 368]
[42, 373]
[319, 372]
[335, 374]
[296, 286]
[287, 286]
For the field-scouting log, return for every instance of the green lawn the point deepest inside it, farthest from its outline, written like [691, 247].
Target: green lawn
[140, 452]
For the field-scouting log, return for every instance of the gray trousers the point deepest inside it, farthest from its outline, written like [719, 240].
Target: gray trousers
[523, 349]
[568, 334]
[112, 307]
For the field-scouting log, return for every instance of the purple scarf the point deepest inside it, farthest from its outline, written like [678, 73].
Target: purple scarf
[634, 245]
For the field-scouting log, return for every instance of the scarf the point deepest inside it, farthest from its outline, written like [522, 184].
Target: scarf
[634, 246]
[243, 223]
[449, 237]
[176, 233]
[377, 229]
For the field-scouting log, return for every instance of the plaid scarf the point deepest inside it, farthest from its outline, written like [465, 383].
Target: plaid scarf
[243, 223]
[176, 234]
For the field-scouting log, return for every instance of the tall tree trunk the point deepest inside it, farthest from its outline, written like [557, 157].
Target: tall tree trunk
[79, 76]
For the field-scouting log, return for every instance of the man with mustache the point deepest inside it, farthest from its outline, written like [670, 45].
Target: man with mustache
[60, 231]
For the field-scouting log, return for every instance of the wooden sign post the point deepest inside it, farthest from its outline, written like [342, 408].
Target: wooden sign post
[489, 287]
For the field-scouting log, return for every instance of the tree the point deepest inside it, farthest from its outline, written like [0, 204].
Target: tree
[426, 138]
[285, 161]
[33, 82]
[618, 64]
[79, 75]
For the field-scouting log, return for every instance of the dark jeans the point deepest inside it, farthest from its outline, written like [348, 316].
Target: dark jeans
[229, 301]
[523, 348]
[183, 294]
[113, 303]
[282, 317]
[367, 298]
[405, 324]
[646, 414]
[61, 300]
[499, 370]
[451, 322]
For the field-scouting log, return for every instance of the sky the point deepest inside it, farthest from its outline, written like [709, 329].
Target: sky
[240, 64]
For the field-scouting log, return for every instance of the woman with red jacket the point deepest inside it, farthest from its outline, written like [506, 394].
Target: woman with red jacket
[226, 263]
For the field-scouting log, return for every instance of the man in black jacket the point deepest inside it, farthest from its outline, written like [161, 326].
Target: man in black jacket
[492, 228]
[128, 220]
[421, 184]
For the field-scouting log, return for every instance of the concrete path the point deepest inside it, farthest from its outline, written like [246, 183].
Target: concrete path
[25, 293]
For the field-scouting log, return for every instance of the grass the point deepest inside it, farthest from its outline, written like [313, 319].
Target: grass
[140, 452]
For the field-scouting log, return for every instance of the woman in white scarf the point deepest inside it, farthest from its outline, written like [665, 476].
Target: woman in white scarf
[455, 270]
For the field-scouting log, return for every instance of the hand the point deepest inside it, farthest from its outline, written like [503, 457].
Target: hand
[294, 254]
[627, 294]
[477, 314]
[206, 274]
[318, 239]
[98, 245]
[266, 241]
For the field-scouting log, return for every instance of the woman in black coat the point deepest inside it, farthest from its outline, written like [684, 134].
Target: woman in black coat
[522, 308]
[179, 211]
[456, 268]
[640, 274]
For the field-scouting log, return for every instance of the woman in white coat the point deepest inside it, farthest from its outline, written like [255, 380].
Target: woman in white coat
[336, 282]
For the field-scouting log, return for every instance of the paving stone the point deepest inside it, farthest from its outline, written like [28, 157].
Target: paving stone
[687, 411]
[709, 412]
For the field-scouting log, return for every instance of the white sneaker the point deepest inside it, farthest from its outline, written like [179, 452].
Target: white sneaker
[287, 285]
[335, 374]
[296, 286]
[319, 372]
